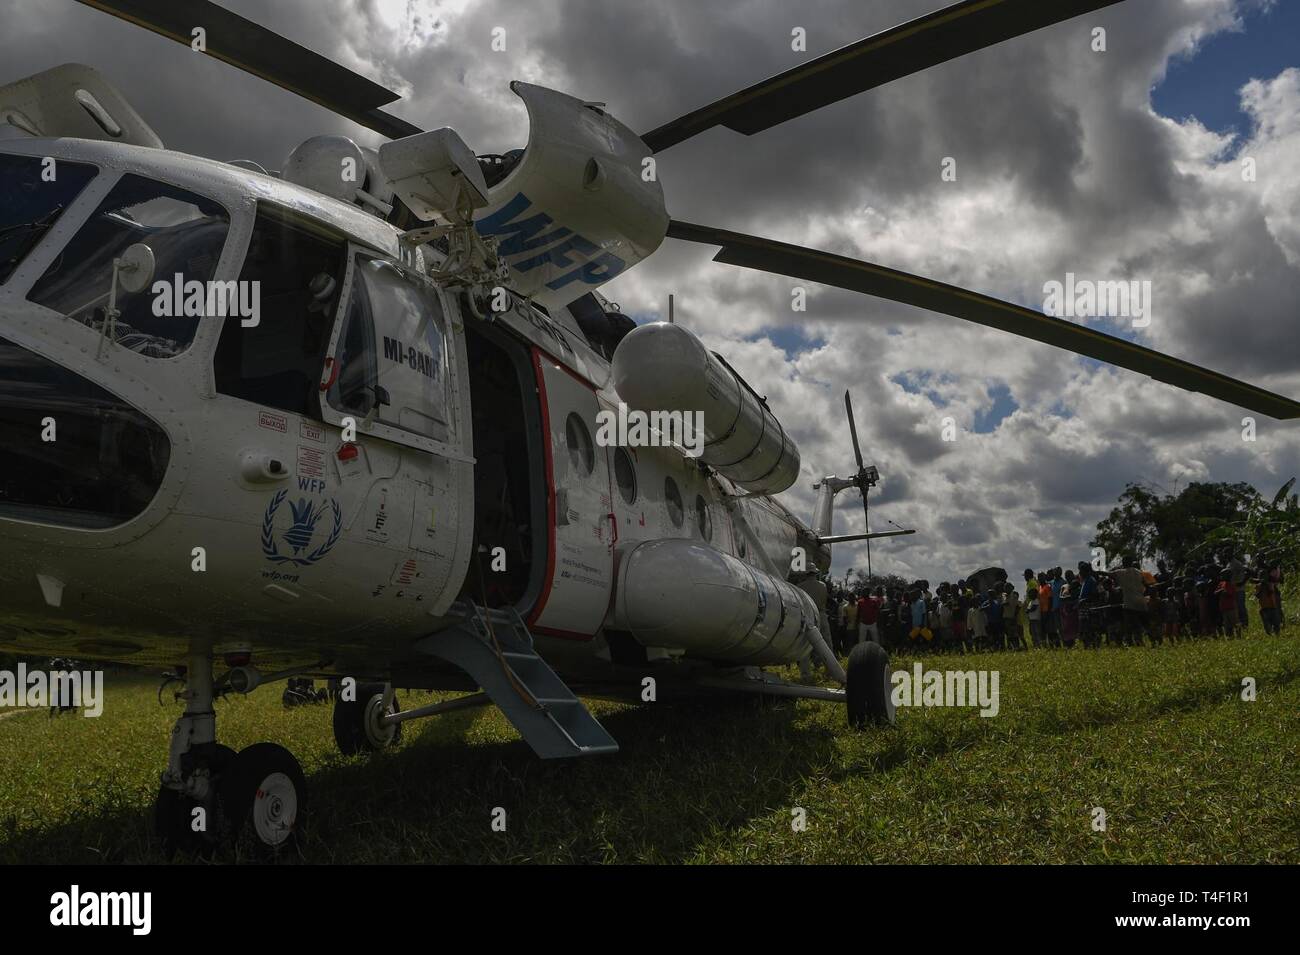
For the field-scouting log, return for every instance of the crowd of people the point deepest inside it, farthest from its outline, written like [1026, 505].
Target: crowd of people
[1058, 609]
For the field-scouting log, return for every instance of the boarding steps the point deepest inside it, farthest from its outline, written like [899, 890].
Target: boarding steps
[551, 719]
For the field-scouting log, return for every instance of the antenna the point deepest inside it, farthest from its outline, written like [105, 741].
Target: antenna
[670, 308]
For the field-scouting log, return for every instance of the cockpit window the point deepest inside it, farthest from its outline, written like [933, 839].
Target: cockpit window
[185, 233]
[34, 192]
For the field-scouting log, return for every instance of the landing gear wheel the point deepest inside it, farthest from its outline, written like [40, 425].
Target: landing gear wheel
[356, 724]
[173, 811]
[263, 799]
[868, 691]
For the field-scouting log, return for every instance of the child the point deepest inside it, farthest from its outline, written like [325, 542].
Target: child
[946, 636]
[1226, 594]
[1035, 617]
[1011, 626]
[1172, 616]
[975, 626]
[919, 629]
[1051, 637]
[1156, 613]
[993, 620]
[959, 634]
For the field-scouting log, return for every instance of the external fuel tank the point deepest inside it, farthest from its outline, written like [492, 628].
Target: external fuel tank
[664, 367]
[683, 594]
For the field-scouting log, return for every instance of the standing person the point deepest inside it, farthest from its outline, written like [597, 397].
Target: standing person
[1275, 578]
[869, 616]
[977, 634]
[1270, 604]
[1034, 614]
[1057, 583]
[1012, 631]
[919, 630]
[1226, 594]
[841, 629]
[1069, 614]
[957, 603]
[1173, 612]
[851, 618]
[1133, 599]
[1156, 612]
[1051, 637]
[1190, 617]
[993, 620]
[1238, 574]
[947, 637]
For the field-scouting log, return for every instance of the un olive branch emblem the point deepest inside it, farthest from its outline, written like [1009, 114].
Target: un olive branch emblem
[306, 515]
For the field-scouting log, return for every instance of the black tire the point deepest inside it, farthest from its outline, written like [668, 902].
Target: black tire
[868, 691]
[173, 812]
[264, 801]
[354, 728]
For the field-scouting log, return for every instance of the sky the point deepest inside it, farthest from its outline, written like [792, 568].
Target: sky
[1122, 164]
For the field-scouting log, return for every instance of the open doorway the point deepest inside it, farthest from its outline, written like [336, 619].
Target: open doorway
[509, 476]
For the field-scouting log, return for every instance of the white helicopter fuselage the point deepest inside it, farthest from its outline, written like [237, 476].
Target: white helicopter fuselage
[271, 534]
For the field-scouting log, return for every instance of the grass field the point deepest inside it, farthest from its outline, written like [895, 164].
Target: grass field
[1158, 737]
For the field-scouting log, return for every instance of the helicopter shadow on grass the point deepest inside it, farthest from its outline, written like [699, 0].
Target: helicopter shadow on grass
[685, 772]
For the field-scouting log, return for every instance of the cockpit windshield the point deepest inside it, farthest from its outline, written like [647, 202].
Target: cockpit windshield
[185, 232]
[34, 192]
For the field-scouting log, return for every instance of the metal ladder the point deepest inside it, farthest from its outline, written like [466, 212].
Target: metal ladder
[551, 719]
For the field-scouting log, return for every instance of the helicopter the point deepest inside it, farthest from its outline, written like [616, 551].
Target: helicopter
[343, 420]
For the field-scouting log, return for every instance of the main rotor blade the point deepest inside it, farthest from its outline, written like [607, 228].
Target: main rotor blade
[874, 61]
[264, 53]
[781, 258]
[853, 429]
[844, 539]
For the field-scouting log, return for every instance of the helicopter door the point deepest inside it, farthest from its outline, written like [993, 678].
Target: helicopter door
[581, 529]
[389, 374]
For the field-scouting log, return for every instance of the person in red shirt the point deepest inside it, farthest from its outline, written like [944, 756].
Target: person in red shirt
[869, 615]
[1051, 634]
[1226, 593]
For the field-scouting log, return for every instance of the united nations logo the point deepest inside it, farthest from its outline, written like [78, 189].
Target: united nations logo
[304, 516]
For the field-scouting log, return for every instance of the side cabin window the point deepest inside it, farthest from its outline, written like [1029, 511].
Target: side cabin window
[185, 232]
[392, 351]
[298, 266]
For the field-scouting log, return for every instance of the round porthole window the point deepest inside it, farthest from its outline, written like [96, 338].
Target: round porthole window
[703, 517]
[582, 456]
[673, 498]
[625, 475]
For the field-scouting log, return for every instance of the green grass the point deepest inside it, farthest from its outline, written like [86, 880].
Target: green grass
[1158, 737]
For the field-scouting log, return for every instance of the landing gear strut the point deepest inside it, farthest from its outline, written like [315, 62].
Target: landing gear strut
[211, 795]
